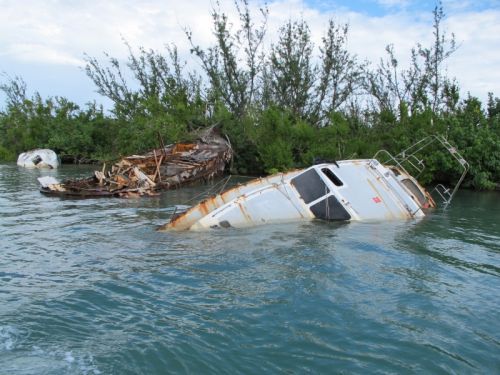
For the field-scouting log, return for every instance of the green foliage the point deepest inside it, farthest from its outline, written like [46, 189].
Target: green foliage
[56, 123]
[291, 71]
[279, 108]
[424, 84]
[234, 63]
[273, 140]
[479, 142]
[6, 154]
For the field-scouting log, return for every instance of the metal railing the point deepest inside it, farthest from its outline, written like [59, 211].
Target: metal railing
[408, 158]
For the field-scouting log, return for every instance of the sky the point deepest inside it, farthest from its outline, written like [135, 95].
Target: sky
[45, 41]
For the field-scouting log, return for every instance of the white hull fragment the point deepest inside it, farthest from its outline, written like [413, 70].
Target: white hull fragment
[40, 158]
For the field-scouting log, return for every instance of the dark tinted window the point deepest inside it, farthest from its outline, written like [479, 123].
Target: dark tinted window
[332, 177]
[330, 209]
[310, 186]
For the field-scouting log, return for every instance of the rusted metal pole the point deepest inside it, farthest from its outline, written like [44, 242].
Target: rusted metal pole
[162, 145]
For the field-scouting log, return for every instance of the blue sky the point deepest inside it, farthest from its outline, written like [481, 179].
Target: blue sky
[382, 7]
[371, 7]
[44, 41]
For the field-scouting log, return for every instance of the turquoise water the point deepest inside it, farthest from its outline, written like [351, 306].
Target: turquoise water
[89, 287]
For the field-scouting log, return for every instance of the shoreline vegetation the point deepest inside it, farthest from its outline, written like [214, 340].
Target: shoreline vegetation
[281, 106]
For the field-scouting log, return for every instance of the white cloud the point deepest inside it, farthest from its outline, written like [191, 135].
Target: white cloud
[28, 52]
[57, 33]
[476, 62]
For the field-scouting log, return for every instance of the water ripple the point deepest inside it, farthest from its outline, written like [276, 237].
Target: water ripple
[89, 287]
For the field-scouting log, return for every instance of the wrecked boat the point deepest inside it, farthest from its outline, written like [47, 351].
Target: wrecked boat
[39, 158]
[167, 167]
[365, 189]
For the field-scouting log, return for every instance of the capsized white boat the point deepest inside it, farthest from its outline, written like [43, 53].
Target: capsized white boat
[39, 158]
[345, 190]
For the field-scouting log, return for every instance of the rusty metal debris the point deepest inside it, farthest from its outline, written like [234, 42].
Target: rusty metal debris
[163, 168]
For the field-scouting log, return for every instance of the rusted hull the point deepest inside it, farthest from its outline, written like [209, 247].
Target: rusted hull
[164, 168]
[76, 193]
[344, 191]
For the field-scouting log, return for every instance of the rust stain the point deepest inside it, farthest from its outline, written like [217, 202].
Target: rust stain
[430, 201]
[245, 213]
[186, 219]
[183, 147]
[204, 208]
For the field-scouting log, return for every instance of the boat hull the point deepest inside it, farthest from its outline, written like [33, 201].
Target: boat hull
[343, 191]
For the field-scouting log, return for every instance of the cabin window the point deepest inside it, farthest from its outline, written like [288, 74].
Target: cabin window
[330, 209]
[310, 186]
[415, 191]
[332, 177]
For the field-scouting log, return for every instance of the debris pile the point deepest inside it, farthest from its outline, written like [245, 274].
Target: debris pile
[160, 169]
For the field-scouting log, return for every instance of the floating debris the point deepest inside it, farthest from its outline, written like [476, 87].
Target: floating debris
[144, 175]
[340, 190]
[39, 158]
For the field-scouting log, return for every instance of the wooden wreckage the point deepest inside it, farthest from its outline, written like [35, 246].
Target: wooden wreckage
[167, 167]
